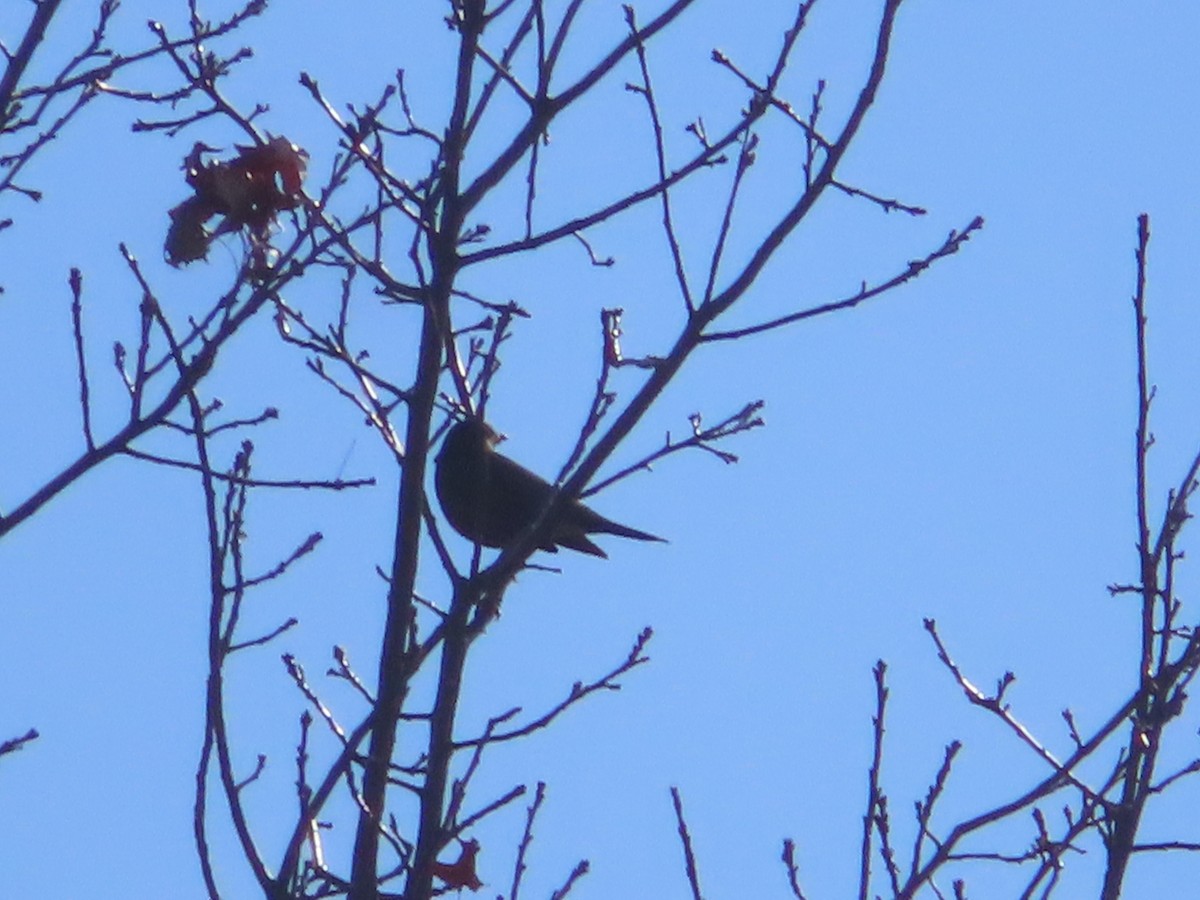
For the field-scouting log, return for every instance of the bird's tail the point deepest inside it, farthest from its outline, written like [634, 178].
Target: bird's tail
[608, 526]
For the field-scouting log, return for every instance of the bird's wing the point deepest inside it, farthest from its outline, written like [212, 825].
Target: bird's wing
[523, 495]
[517, 491]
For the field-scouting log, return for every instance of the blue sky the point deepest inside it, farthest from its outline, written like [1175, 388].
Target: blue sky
[961, 449]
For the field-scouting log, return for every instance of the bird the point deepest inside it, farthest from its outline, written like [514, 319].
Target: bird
[490, 499]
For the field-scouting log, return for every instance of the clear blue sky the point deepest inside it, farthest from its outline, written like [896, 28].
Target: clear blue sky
[961, 449]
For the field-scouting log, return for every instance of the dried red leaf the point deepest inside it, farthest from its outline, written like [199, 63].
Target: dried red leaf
[187, 238]
[249, 191]
[460, 873]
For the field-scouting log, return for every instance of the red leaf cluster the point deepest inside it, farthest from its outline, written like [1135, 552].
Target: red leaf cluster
[248, 192]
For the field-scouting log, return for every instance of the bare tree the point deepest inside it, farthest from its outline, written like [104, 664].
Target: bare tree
[438, 213]
[1071, 807]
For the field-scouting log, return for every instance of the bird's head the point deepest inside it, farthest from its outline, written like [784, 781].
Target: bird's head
[468, 437]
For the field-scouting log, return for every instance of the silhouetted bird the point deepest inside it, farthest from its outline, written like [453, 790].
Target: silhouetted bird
[489, 499]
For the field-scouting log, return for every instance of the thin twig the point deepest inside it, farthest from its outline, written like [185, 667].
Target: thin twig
[685, 838]
[539, 797]
[76, 282]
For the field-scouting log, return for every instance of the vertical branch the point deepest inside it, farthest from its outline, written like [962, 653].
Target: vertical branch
[76, 282]
[543, 91]
[873, 790]
[140, 375]
[925, 809]
[316, 801]
[1125, 817]
[1146, 561]
[510, 50]
[531, 186]
[200, 816]
[431, 837]
[1166, 595]
[811, 144]
[526, 839]
[216, 736]
[793, 870]
[394, 670]
[560, 36]
[646, 89]
[883, 824]
[304, 793]
[745, 161]
[218, 641]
